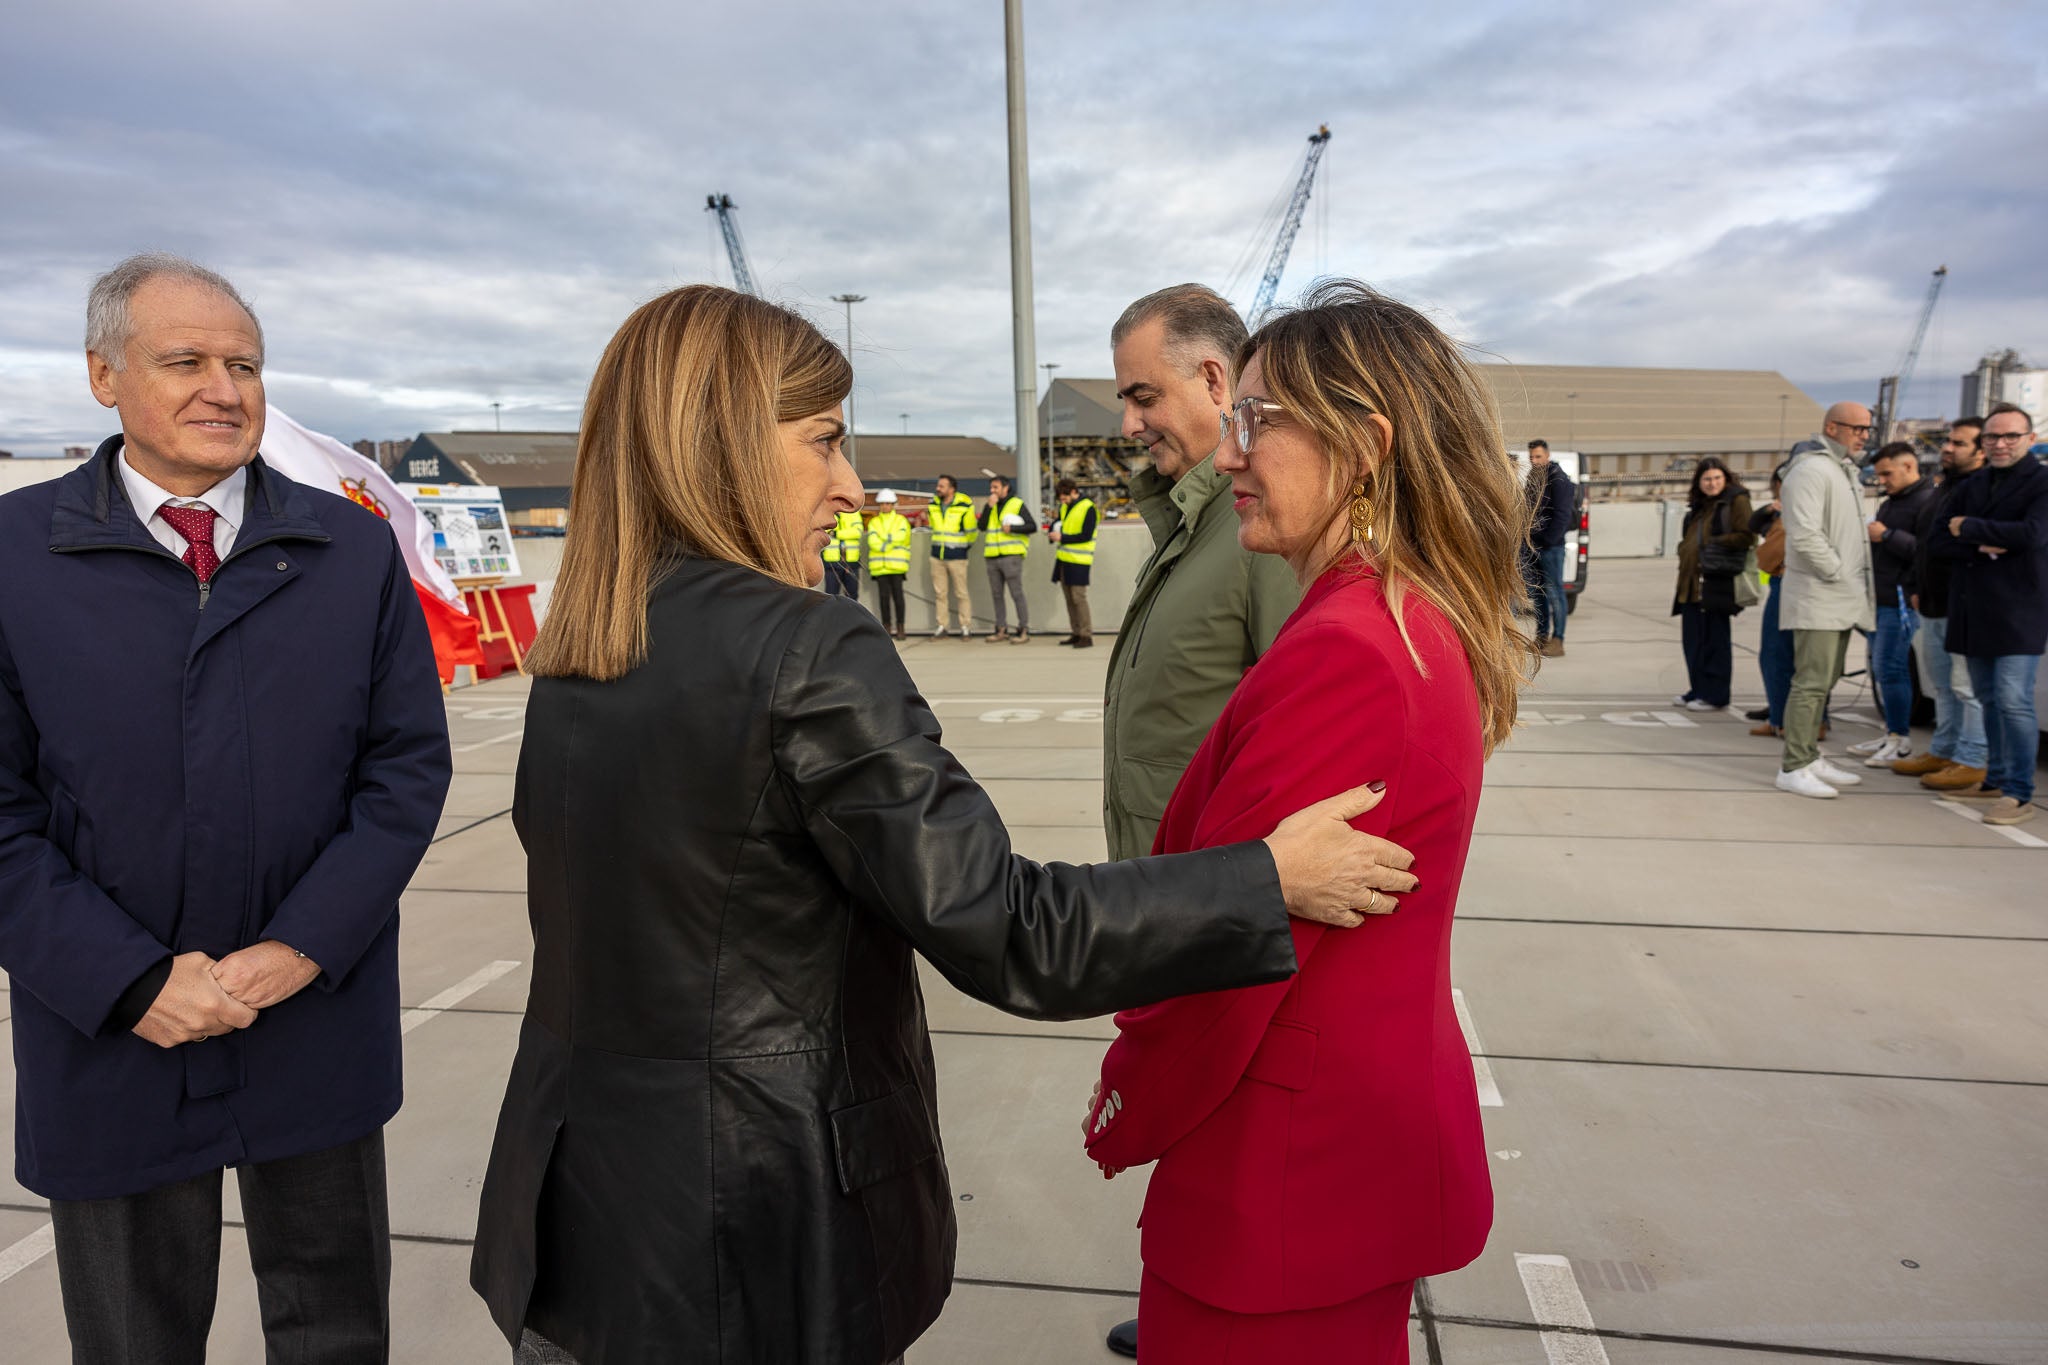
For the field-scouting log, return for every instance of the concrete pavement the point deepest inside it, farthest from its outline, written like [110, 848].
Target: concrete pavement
[1773, 1073]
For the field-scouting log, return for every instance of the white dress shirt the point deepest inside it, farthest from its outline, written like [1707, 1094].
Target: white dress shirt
[226, 498]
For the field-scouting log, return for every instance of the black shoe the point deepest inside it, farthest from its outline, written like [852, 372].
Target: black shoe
[1123, 1338]
[1761, 713]
[1083, 644]
[1071, 640]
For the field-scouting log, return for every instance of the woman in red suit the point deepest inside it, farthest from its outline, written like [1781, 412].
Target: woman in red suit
[1318, 1140]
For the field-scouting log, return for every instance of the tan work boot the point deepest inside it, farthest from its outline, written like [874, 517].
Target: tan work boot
[1954, 778]
[2009, 811]
[1921, 765]
[1980, 792]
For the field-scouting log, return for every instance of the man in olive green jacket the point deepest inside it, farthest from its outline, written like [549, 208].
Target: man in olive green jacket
[1204, 609]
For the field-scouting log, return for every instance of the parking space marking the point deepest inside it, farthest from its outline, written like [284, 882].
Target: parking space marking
[1482, 1070]
[2018, 836]
[508, 736]
[27, 1251]
[454, 995]
[1555, 1300]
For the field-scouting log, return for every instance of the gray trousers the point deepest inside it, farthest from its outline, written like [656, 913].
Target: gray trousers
[1007, 571]
[140, 1273]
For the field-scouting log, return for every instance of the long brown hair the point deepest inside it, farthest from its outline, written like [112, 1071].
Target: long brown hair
[1449, 518]
[679, 455]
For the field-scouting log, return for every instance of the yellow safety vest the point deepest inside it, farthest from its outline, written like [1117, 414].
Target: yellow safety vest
[996, 542]
[953, 525]
[1074, 551]
[888, 545]
[844, 547]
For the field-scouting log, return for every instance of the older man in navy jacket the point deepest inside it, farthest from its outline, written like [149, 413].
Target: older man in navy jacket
[1997, 537]
[222, 755]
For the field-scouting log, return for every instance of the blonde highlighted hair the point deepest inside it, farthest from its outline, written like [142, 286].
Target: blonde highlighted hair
[1448, 514]
[679, 455]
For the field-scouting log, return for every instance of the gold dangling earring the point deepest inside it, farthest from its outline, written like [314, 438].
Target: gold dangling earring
[1361, 516]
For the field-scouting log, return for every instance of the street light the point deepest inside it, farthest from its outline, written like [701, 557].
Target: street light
[497, 422]
[849, 300]
[906, 422]
[1048, 366]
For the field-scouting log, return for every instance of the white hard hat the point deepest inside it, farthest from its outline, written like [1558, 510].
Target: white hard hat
[886, 495]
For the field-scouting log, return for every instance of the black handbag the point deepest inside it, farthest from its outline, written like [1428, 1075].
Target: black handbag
[1717, 560]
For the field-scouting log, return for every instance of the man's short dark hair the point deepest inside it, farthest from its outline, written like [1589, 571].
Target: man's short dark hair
[1200, 324]
[995, 479]
[948, 478]
[1999, 410]
[1975, 424]
[1897, 450]
[1065, 486]
[1539, 441]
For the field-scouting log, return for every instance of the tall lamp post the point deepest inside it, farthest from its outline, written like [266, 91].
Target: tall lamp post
[1023, 339]
[852, 448]
[906, 422]
[1048, 366]
[497, 422]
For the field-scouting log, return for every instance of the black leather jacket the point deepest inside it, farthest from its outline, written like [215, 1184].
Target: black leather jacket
[720, 1137]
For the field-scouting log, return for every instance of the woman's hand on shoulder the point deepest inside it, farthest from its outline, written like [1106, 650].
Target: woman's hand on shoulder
[1333, 874]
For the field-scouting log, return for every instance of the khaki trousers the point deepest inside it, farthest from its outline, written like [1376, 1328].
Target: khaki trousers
[949, 584]
[1818, 657]
[1079, 621]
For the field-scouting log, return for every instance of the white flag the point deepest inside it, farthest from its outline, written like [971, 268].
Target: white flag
[322, 462]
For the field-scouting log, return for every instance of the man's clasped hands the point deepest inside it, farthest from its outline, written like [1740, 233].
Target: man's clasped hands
[205, 998]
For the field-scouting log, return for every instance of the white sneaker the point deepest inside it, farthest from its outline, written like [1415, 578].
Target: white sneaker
[1803, 782]
[1696, 704]
[1681, 700]
[1870, 746]
[1895, 747]
[1829, 773]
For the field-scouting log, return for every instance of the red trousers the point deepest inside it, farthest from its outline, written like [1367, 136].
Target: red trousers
[1174, 1329]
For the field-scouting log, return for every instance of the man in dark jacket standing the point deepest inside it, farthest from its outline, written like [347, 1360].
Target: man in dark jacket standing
[1954, 759]
[222, 755]
[1553, 500]
[1892, 541]
[1997, 539]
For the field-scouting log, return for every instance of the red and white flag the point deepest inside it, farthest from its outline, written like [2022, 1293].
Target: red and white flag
[318, 461]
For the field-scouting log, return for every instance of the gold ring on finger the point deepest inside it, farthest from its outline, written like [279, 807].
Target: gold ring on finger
[1372, 906]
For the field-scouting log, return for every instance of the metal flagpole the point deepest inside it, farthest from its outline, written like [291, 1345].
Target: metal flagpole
[1023, 343]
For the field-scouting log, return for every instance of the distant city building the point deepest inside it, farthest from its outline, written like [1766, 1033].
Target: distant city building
[6, 454]
[914, 463]
[2002, 377]
[1634, 428]
[533, 468]
[383, 452]
[77, 452]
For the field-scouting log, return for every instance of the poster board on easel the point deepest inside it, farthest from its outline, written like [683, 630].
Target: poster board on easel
[472, 538]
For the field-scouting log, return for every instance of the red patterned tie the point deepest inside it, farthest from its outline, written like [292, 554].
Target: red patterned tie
[196, 525]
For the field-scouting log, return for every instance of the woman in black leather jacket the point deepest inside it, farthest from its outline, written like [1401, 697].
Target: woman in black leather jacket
[720, 1137]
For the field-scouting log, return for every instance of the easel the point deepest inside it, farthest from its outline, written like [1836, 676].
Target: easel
[481, 594]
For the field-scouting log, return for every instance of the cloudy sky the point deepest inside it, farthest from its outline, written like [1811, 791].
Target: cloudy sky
[439, 204]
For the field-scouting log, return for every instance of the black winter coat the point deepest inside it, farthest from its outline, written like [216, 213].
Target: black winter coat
[1891, 559]
[1998, 605]
[1553, 506]
[720, 1140]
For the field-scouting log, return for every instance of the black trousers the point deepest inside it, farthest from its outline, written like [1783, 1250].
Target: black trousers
[842, 580]
[140, 1273]
[1709, 653]
[889, 590]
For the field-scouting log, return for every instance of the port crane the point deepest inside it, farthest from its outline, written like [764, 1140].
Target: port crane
[1891, 389]
[1290, 225]
[722, 205]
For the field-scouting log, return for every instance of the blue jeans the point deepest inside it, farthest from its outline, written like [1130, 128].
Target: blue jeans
[2006, 687]
[1543, 567]
[1774, 657]
[1891, 666]
[1958, 715]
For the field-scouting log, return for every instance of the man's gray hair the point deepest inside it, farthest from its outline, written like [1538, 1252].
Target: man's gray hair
[1200, 324]
[107, 324]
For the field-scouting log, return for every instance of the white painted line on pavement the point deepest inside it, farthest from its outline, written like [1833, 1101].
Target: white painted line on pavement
[1482, 1070]
[27, 1251]
[485, 743]
[1015, 701]
[2018, 836]
[454, 995]
[1555, 1300]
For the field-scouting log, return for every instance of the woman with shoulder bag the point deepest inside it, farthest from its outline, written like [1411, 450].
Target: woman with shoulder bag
[1713, 551]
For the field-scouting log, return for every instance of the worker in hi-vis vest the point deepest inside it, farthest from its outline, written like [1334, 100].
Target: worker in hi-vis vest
[951, 516]
[1074, 533]
[842, 556]
[1006, 527]
[889, 559]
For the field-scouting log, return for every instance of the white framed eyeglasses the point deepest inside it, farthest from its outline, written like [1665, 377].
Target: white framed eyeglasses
[1245, 416]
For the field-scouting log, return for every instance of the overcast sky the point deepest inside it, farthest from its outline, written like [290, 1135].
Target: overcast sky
[437, 204]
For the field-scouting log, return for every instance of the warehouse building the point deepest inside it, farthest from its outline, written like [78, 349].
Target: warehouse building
[1636, 429]
[532, 468]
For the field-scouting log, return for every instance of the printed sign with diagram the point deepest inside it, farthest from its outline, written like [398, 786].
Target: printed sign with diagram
[471, 536]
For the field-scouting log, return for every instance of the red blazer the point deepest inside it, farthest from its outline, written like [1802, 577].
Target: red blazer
[1319, 1138]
